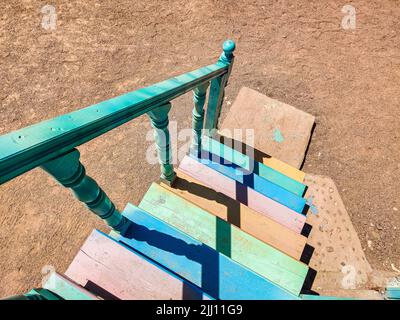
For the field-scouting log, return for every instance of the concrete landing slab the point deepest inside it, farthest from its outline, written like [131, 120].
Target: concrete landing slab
[338, 257]
[280, 130]
[284, 132]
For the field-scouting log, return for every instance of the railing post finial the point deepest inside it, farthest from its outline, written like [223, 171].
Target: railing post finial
[228, 47]
[217, 89]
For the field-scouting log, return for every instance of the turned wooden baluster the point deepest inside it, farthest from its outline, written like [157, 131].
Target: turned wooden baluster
[217, 89]
[159, 121]
[69, 171]
[199, 98]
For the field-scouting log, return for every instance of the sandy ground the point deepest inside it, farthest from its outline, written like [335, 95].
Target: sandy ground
[295, 52]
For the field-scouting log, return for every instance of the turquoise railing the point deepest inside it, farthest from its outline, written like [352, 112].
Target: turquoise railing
[52, 144]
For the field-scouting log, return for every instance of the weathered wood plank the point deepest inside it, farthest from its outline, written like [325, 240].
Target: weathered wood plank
[66, 288]
[255, 182]
[256, 255]
[39, 294]
[240, 215]
[126, 274]
[247, 163]
[213, 272]
[233, 189]
[284, 168]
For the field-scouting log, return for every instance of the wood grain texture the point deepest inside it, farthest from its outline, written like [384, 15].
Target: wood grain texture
[231, 188]
[66, 288]
[249, 164]
[126, 274]
[240, 215]
[255, 182]
[213, 272]
[256, 255]
[284, 168]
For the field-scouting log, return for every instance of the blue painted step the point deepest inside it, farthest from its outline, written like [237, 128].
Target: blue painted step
[216, 274]
[253, 181]
[250, 165]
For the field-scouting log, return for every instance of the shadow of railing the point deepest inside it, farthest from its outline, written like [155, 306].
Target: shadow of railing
[202, 254]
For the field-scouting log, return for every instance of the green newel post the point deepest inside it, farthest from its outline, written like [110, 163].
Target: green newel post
[159, 121]
[69, 171]
[199, 98]
[217, 89]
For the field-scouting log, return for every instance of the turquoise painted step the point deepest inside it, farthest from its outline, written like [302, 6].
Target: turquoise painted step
[216, 274]
[66, 289]
[255, 182]
[249, 164]
[256, 255]
[41, 294]
[393, 293]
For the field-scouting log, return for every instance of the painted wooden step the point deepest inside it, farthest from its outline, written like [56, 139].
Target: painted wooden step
[35, 294]
[213, 272]
[255, 182]
[40, 294]
[262, 157]
[256, 255]
[118, 272]
[67, 289]
[393, 293]
[248, 196]
[250, 165]
[240, 215]
[284, 168]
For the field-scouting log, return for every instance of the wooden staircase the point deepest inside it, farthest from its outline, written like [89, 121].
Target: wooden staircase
[211, 235]
[221, 226]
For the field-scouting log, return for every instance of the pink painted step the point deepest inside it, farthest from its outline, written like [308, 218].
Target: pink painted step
[256, 201]
[125, 274]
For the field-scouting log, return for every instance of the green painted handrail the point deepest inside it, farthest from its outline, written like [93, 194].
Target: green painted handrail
[27, 148]
[51, 144]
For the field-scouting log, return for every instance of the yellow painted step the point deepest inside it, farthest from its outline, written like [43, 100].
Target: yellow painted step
[284, 168]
